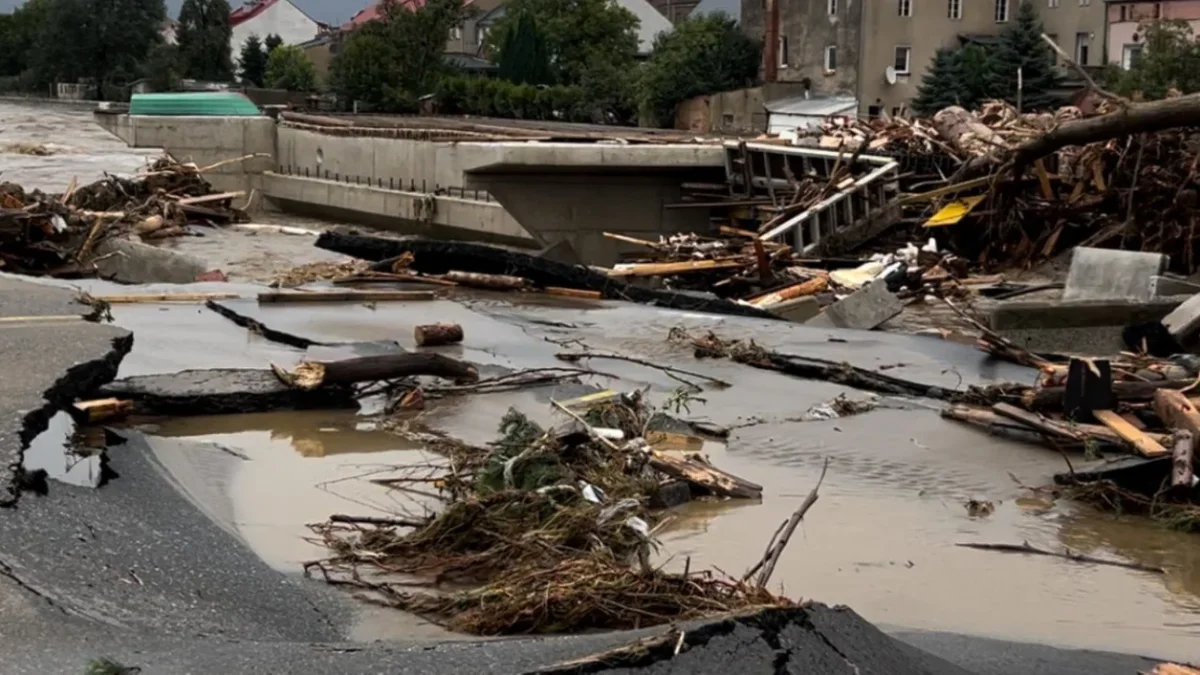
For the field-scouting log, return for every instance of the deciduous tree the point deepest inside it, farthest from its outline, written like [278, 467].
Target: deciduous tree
[577, 33]
[203, 35]
[702, 55]
[1169, 59]
[289, 68]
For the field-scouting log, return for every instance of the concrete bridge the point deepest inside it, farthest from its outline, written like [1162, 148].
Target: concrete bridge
[513, 186]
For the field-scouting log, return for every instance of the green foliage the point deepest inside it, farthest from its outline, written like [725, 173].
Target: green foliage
[391, 62]
[163, 68]
[469, 95]
[271, 43]
[1021, 47]
[1170, 59]
[702, 55]
[253, 62]
[522, 57]
[19, 33]
[203, 35]
[957, 77]
[289, 68]
[941, 86]
[107, 48]
[578, 34]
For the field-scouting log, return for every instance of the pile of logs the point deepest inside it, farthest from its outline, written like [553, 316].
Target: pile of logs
[58, 234]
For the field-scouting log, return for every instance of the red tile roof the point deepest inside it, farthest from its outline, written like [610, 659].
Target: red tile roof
[249, 11]
[375, 11]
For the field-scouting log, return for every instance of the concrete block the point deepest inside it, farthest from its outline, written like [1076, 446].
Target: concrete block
[133, 262]
[863, 309]
[798, 310]
[1162, 287]
[1103, 274]
[1185, 320]
[1056, 314]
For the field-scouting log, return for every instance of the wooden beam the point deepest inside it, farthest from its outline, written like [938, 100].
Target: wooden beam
[665, 269]
[215, 197]
[344, 296]
[1143, 444]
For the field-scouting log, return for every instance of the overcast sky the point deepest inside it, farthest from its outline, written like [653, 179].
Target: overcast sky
[328, 11]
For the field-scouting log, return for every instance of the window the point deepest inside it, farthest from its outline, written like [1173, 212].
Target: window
[1001, 11]
[1130, 56]
[1085, 3]
[895, 111]
[1158, 10]
[480, 34]
[1054, 38]
[903, 59]
[1083, 45]
[832, 5]
[904, 7]
[874, 111]
[1052, 4]
[1124, 13]
[954, 10]
[456, 33]
[783, 51]
[830, 58]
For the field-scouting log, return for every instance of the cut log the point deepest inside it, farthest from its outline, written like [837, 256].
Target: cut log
[495, 282]
[314, 374]
[1037, 422]
[667, 269]
[1183, 459]
[704, 476]
[103, 409]
[164, 297]
[344, 296]
[993, 421]
[1141, 442]
[436, 334]
[802, 289]
[1177, 411]
[966, 133]
[572, 293]
[1051, 398]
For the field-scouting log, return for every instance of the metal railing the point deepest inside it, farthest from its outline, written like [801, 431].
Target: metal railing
[753, 169]
[392, 183]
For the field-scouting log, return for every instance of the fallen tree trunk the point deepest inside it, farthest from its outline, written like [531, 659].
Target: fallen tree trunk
[440, 257]
[1133, 119]
[1051, 398]
[315, 374]
[705, 476]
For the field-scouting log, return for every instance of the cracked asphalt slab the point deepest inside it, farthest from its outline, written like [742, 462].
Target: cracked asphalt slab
[50, 356]
[137, 572]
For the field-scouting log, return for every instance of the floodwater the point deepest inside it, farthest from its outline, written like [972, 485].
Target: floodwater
[882, 537]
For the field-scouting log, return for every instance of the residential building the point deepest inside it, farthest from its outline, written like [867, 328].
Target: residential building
[1125, 34]
[878, 51]
[271, 17]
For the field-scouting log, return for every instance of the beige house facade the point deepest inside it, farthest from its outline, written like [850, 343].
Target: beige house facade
[878, 50]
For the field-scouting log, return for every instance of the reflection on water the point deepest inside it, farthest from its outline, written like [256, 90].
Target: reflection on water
[53, 452]
[282, 471]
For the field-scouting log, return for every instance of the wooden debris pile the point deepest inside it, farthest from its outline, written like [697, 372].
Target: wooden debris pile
[1136, 405]
[737, 265]
[552, 529]
[58, 234]
[1007, 189]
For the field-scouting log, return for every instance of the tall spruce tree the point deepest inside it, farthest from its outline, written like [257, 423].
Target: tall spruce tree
[941, 86]
[271, 43]
[1021, 47]
[523, 57]
[253, 61]
[203, 35]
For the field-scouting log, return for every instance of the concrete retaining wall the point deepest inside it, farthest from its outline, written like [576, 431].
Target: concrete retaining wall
[205, 141]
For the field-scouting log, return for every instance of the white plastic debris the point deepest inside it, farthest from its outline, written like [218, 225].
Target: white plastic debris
[821, 411]
[638, 525]
[610, 434]
[610, 512]
[590, 492]
[859, 276]
[60, 225]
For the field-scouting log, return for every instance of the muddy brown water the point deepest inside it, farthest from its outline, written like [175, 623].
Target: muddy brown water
[881, 538]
